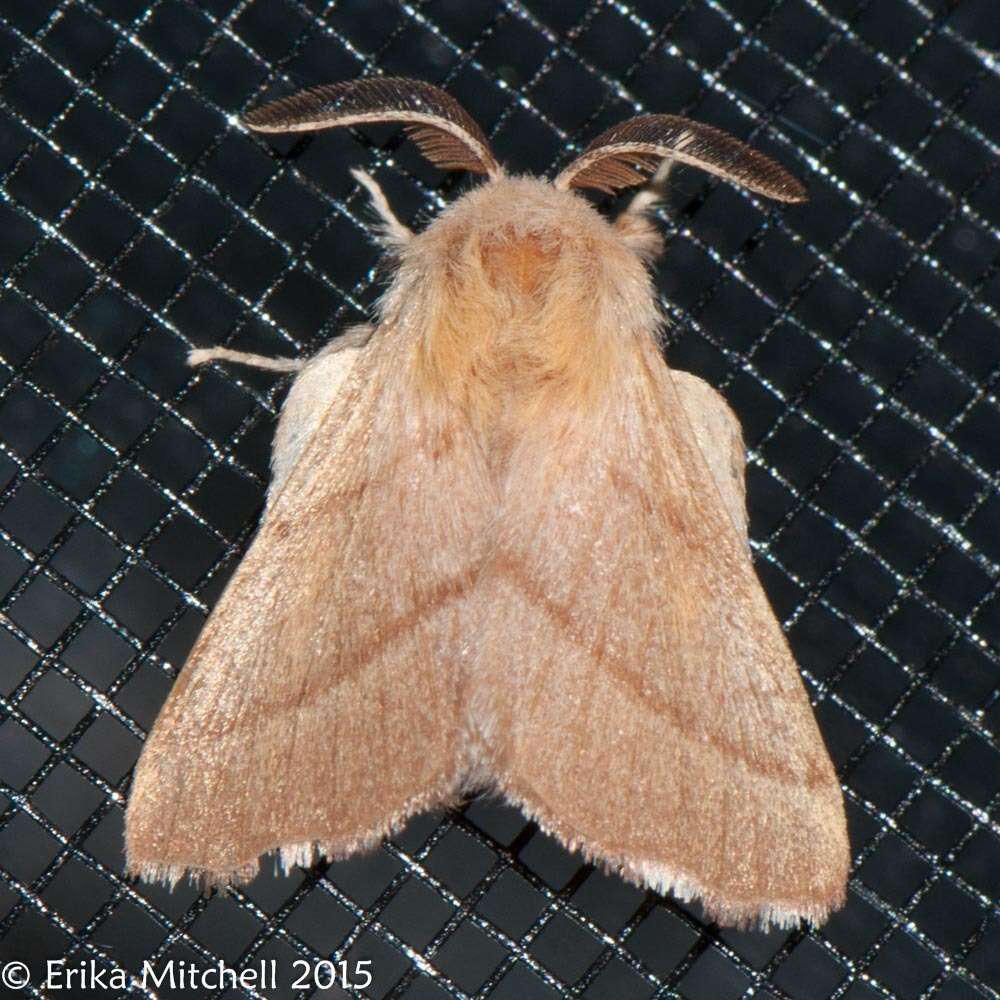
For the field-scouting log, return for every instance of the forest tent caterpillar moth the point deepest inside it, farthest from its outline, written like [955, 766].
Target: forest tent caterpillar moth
[504, 546]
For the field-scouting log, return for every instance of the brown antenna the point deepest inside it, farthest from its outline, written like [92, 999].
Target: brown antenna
[625, 155]
[442, 129]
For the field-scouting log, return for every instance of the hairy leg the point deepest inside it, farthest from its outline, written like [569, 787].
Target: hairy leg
[392, 232]
[352, 337]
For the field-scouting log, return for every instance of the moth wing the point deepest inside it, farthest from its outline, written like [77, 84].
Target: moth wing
[719, 439]
[315, 387]
[637, 694]
[319, 706]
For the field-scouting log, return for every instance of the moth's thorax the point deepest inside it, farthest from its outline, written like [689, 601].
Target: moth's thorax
[522, 293]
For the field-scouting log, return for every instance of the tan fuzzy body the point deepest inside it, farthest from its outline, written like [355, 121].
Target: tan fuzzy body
[506, 547]
[521, 307]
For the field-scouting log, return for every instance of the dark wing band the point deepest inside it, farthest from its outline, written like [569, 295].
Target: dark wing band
[627, 154]
[442, 129]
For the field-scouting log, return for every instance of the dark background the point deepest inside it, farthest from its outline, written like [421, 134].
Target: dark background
[855, 336]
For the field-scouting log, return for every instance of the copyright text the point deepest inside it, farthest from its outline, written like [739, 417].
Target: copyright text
[177, 974]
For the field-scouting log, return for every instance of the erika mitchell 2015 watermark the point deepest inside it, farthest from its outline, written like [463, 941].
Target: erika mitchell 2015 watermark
[178, 974]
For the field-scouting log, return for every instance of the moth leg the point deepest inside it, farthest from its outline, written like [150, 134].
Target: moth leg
[203, 355]
[353, 336]
[314, 388]
[636, 224]
[653, 192]
[719, 437]
[391, 233]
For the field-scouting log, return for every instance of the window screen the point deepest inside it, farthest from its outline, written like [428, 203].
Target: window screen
[856, 337]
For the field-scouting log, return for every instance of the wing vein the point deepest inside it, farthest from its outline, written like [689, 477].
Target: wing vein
[513, 569]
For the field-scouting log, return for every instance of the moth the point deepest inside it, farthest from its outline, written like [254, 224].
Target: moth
[504, 547]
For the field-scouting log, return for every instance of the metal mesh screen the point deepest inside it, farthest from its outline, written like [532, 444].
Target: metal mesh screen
[856, 337]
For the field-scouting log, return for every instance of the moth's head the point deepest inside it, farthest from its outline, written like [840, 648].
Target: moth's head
[623, 157]
[504, 279]
[519, 236]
